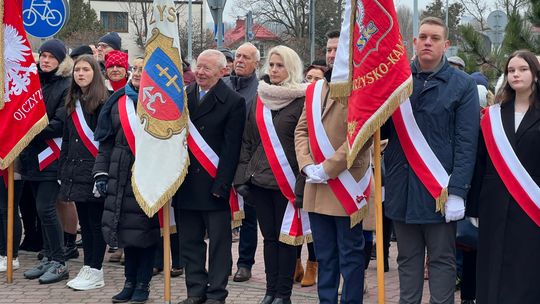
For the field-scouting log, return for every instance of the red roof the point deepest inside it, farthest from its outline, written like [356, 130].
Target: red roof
[236, 34]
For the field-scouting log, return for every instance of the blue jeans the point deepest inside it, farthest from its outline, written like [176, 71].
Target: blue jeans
[339, 250]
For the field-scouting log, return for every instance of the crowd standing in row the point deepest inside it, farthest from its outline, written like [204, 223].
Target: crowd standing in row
[86, 101]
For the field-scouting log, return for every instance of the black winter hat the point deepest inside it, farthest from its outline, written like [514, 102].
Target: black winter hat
[56, 47]
[113, 40]
[81, 50]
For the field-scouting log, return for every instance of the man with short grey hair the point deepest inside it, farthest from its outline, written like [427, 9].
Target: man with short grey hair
[244, 81]
[217, 114]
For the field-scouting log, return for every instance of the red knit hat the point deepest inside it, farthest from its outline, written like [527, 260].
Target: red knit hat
[116, 58]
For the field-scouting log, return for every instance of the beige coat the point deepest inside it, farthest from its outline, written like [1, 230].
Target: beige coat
[319, 198]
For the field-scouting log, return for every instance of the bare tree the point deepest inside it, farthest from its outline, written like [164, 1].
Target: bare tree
[405, 16]
[512, 7]
[139, 12]
[478, 9]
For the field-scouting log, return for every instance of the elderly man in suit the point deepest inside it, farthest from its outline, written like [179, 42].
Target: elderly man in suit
[218, 115]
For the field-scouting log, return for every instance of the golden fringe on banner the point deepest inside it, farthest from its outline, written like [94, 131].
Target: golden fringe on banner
[2, 68]
[441, 201]
[238, 216]
[150, 211]
[291, 240]
[35, 130]
[379, 118]
[359, 215]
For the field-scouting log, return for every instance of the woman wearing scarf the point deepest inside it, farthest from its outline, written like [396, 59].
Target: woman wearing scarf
[125, 225]
[116, 66]
[282, 92]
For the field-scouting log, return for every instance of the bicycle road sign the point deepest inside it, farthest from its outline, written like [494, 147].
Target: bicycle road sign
[44, 18]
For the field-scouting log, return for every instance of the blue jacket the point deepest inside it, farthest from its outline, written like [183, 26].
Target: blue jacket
[445, 106]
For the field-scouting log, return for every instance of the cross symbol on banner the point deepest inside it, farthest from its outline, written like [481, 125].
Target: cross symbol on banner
[172, 79]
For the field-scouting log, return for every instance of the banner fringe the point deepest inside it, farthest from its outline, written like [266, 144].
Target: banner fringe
[340, 89]
[379, 118]
[2, 67]
[17, 149]
[291, 240]
[359, 215]
[151, 211]
[236, 224]
[239, 215]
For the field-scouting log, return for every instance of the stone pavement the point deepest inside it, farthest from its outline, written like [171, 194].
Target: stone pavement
[26, 291]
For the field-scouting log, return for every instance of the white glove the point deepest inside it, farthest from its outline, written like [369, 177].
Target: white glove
[321, 173]
[312, 175]
[454, 208]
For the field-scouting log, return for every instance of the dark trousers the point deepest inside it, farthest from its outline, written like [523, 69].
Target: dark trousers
[468, 275]
[46, 194]
[388, 228]
[30, 219]
[247, 246]
[339, 250]
[440, 241]
[194, 225]
[138, 264]
[311, 252]
[94, 245]
[17, 227]
[279, 258]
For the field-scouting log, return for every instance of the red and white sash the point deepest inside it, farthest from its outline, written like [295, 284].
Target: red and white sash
[514, 176]
[130, 121]
[351, 194]
[295, 227]
[85, 133]
[421, 158]
[206, 156]
[51, 153]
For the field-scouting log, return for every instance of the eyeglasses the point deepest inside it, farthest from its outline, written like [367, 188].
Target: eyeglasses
[102, 45]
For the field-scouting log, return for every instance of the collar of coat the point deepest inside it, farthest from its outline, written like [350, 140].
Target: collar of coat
[220, 87]
[240, 82]
[443, 71]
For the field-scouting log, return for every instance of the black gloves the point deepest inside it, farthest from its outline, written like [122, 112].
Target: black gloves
[100, 185]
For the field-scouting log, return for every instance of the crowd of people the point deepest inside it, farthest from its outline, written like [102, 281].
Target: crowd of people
[281, 143]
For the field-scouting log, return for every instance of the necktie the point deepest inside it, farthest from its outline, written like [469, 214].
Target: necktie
[201, 95]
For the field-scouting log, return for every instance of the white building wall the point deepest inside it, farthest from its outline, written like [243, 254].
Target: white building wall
[128, 39]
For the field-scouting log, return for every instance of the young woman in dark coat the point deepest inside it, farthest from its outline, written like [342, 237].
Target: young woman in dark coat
[283, 92]
[508, 268]
[125, 225]
[86, 96]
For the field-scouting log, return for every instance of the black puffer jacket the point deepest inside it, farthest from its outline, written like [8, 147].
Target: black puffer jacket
[124, 224]
[54, 86]
[76, 162]
[253, 166]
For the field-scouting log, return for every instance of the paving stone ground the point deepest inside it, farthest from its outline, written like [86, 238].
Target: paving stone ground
[250, 292]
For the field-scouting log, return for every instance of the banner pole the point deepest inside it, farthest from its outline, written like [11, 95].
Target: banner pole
[378, 217]
[11, 192]
[167, 252]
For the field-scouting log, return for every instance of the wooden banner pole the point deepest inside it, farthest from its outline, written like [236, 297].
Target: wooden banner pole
[378, 217]
[9, 247]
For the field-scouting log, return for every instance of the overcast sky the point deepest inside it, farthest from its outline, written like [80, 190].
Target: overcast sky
[230, 16]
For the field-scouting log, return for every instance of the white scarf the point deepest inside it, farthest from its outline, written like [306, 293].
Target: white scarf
[276, 97]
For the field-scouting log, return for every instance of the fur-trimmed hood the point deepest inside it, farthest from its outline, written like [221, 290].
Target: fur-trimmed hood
[65, 68]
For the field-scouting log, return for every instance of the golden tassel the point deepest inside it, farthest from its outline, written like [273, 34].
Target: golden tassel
[358, 215]
[441, 200]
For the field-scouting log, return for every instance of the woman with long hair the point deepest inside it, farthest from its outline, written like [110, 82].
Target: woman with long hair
[84, 100]
[282, 92]
[124, 223]
[505, 189]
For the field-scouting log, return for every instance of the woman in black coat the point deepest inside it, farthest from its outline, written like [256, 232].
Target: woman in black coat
[283, 93]
[84, 100]
[125, 224]
[508, 268]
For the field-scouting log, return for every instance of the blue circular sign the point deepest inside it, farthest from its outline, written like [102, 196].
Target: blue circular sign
[44, 18]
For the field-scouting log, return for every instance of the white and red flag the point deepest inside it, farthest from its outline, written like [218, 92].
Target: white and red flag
[370, 69]
[161, 160]
[22, 110]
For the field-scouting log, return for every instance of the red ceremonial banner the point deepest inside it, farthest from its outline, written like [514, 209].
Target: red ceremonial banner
[23, 115]
[379, 72]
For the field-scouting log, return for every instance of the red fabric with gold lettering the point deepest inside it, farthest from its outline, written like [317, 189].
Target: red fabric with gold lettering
[23, 114]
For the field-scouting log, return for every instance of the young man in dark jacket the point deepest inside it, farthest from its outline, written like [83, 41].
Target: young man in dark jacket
[445, 107]
[55, 76]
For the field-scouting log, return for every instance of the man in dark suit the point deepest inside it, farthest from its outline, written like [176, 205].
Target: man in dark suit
[218, 114]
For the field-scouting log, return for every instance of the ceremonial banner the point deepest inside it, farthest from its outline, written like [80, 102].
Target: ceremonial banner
[370, 69]
[161, 160]
[22, 114]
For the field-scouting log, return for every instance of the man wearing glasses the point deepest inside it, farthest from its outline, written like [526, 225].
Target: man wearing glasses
[108, 42]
